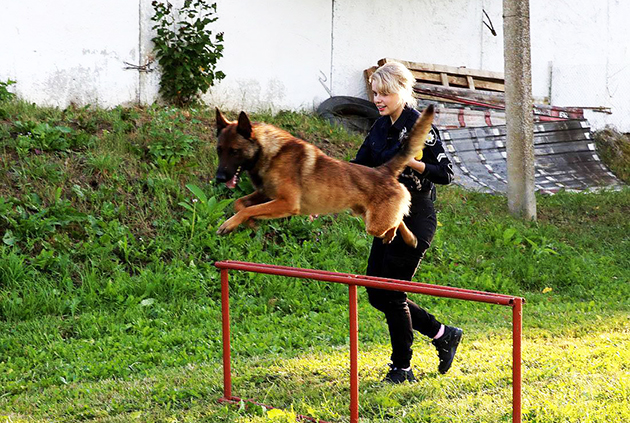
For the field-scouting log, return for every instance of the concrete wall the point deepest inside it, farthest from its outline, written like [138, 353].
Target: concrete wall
[580, 48]
[275, 53]
[284, 54]
[70, 51]
[447, 32]
[586, 45]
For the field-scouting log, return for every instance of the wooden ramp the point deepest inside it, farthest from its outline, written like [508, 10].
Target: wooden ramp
[565, 158]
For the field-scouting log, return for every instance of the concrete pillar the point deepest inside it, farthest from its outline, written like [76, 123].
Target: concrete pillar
[518, 108]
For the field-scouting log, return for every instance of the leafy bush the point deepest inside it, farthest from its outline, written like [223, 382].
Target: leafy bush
[186, 49]
[5, 94]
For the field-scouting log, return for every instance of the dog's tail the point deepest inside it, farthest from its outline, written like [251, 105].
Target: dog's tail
[414, 145]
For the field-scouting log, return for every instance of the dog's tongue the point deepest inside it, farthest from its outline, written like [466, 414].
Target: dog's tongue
[231, 184]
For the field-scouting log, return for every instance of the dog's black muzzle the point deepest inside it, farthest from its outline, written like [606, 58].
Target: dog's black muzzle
[221, 176]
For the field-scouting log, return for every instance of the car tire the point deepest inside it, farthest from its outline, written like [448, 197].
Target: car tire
[353, 113]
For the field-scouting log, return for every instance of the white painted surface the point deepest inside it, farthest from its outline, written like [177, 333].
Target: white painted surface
[70, 51]
[415, 30]
[587, 44]
[274, 53]
[277, 51]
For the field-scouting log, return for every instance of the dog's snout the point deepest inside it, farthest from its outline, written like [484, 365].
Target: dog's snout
[221, 176]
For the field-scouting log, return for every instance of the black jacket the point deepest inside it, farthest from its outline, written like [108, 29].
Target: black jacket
[384, 140]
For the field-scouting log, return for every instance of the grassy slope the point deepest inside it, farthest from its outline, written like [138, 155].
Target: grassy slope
[109, 303]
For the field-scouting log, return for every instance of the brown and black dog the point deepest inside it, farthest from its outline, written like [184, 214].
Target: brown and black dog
[293, 177]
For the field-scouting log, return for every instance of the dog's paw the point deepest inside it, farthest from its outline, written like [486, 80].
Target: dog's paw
[411, 241]
[227, 226]
[389, 236]
[223, 230]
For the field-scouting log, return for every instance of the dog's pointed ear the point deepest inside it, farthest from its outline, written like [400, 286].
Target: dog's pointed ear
[222, 122]
[244, 127]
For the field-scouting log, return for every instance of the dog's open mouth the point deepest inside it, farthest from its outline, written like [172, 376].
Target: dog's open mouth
[231, 184]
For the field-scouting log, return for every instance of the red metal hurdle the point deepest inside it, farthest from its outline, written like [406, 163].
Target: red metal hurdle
[352, 281]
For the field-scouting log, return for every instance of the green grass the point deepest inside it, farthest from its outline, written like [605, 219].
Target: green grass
[110, 304]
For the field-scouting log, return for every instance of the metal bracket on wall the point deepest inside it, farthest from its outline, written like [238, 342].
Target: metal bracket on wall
[141, 68]
[322, 80]
[490, 26]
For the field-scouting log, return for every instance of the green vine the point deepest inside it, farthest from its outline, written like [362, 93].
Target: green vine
[186, 50]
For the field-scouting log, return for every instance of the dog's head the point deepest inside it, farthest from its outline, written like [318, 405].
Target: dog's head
[237, 148]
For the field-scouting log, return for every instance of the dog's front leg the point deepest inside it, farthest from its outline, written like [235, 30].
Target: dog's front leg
[273, 209]
[252, 199]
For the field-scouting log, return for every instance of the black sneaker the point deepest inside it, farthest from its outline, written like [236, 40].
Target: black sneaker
[446, 347]
[396, 375]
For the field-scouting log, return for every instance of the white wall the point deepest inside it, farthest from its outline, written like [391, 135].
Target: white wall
[277, 51]
[580, 48]
[425, 31]
[588, 49]
[70, 51]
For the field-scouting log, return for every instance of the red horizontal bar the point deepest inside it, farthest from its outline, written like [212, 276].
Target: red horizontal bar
[381, 283]
[375, 278]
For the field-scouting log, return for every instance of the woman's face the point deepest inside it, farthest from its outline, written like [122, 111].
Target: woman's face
[387, 104]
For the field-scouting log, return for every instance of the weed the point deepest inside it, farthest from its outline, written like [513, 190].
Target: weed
[169, 145]
[202, 209]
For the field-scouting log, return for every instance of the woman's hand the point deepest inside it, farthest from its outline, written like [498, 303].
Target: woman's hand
[416, 165]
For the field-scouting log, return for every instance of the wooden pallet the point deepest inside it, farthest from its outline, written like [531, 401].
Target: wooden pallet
[428, 75]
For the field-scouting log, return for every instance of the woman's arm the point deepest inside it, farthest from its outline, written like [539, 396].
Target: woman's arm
[417, 165]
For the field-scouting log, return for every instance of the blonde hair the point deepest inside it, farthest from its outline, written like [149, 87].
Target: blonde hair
[394, 77]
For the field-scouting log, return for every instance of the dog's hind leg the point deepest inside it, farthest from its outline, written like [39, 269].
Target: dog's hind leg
[389, 235]
[379, 225]
[407, 236]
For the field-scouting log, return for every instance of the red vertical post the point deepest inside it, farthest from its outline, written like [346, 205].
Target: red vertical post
[225, 318]
[354, 354]
[517, 328]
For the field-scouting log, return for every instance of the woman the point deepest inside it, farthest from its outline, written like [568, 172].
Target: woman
[392, 86]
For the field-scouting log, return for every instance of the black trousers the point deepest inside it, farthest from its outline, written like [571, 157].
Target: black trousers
[397, 260]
